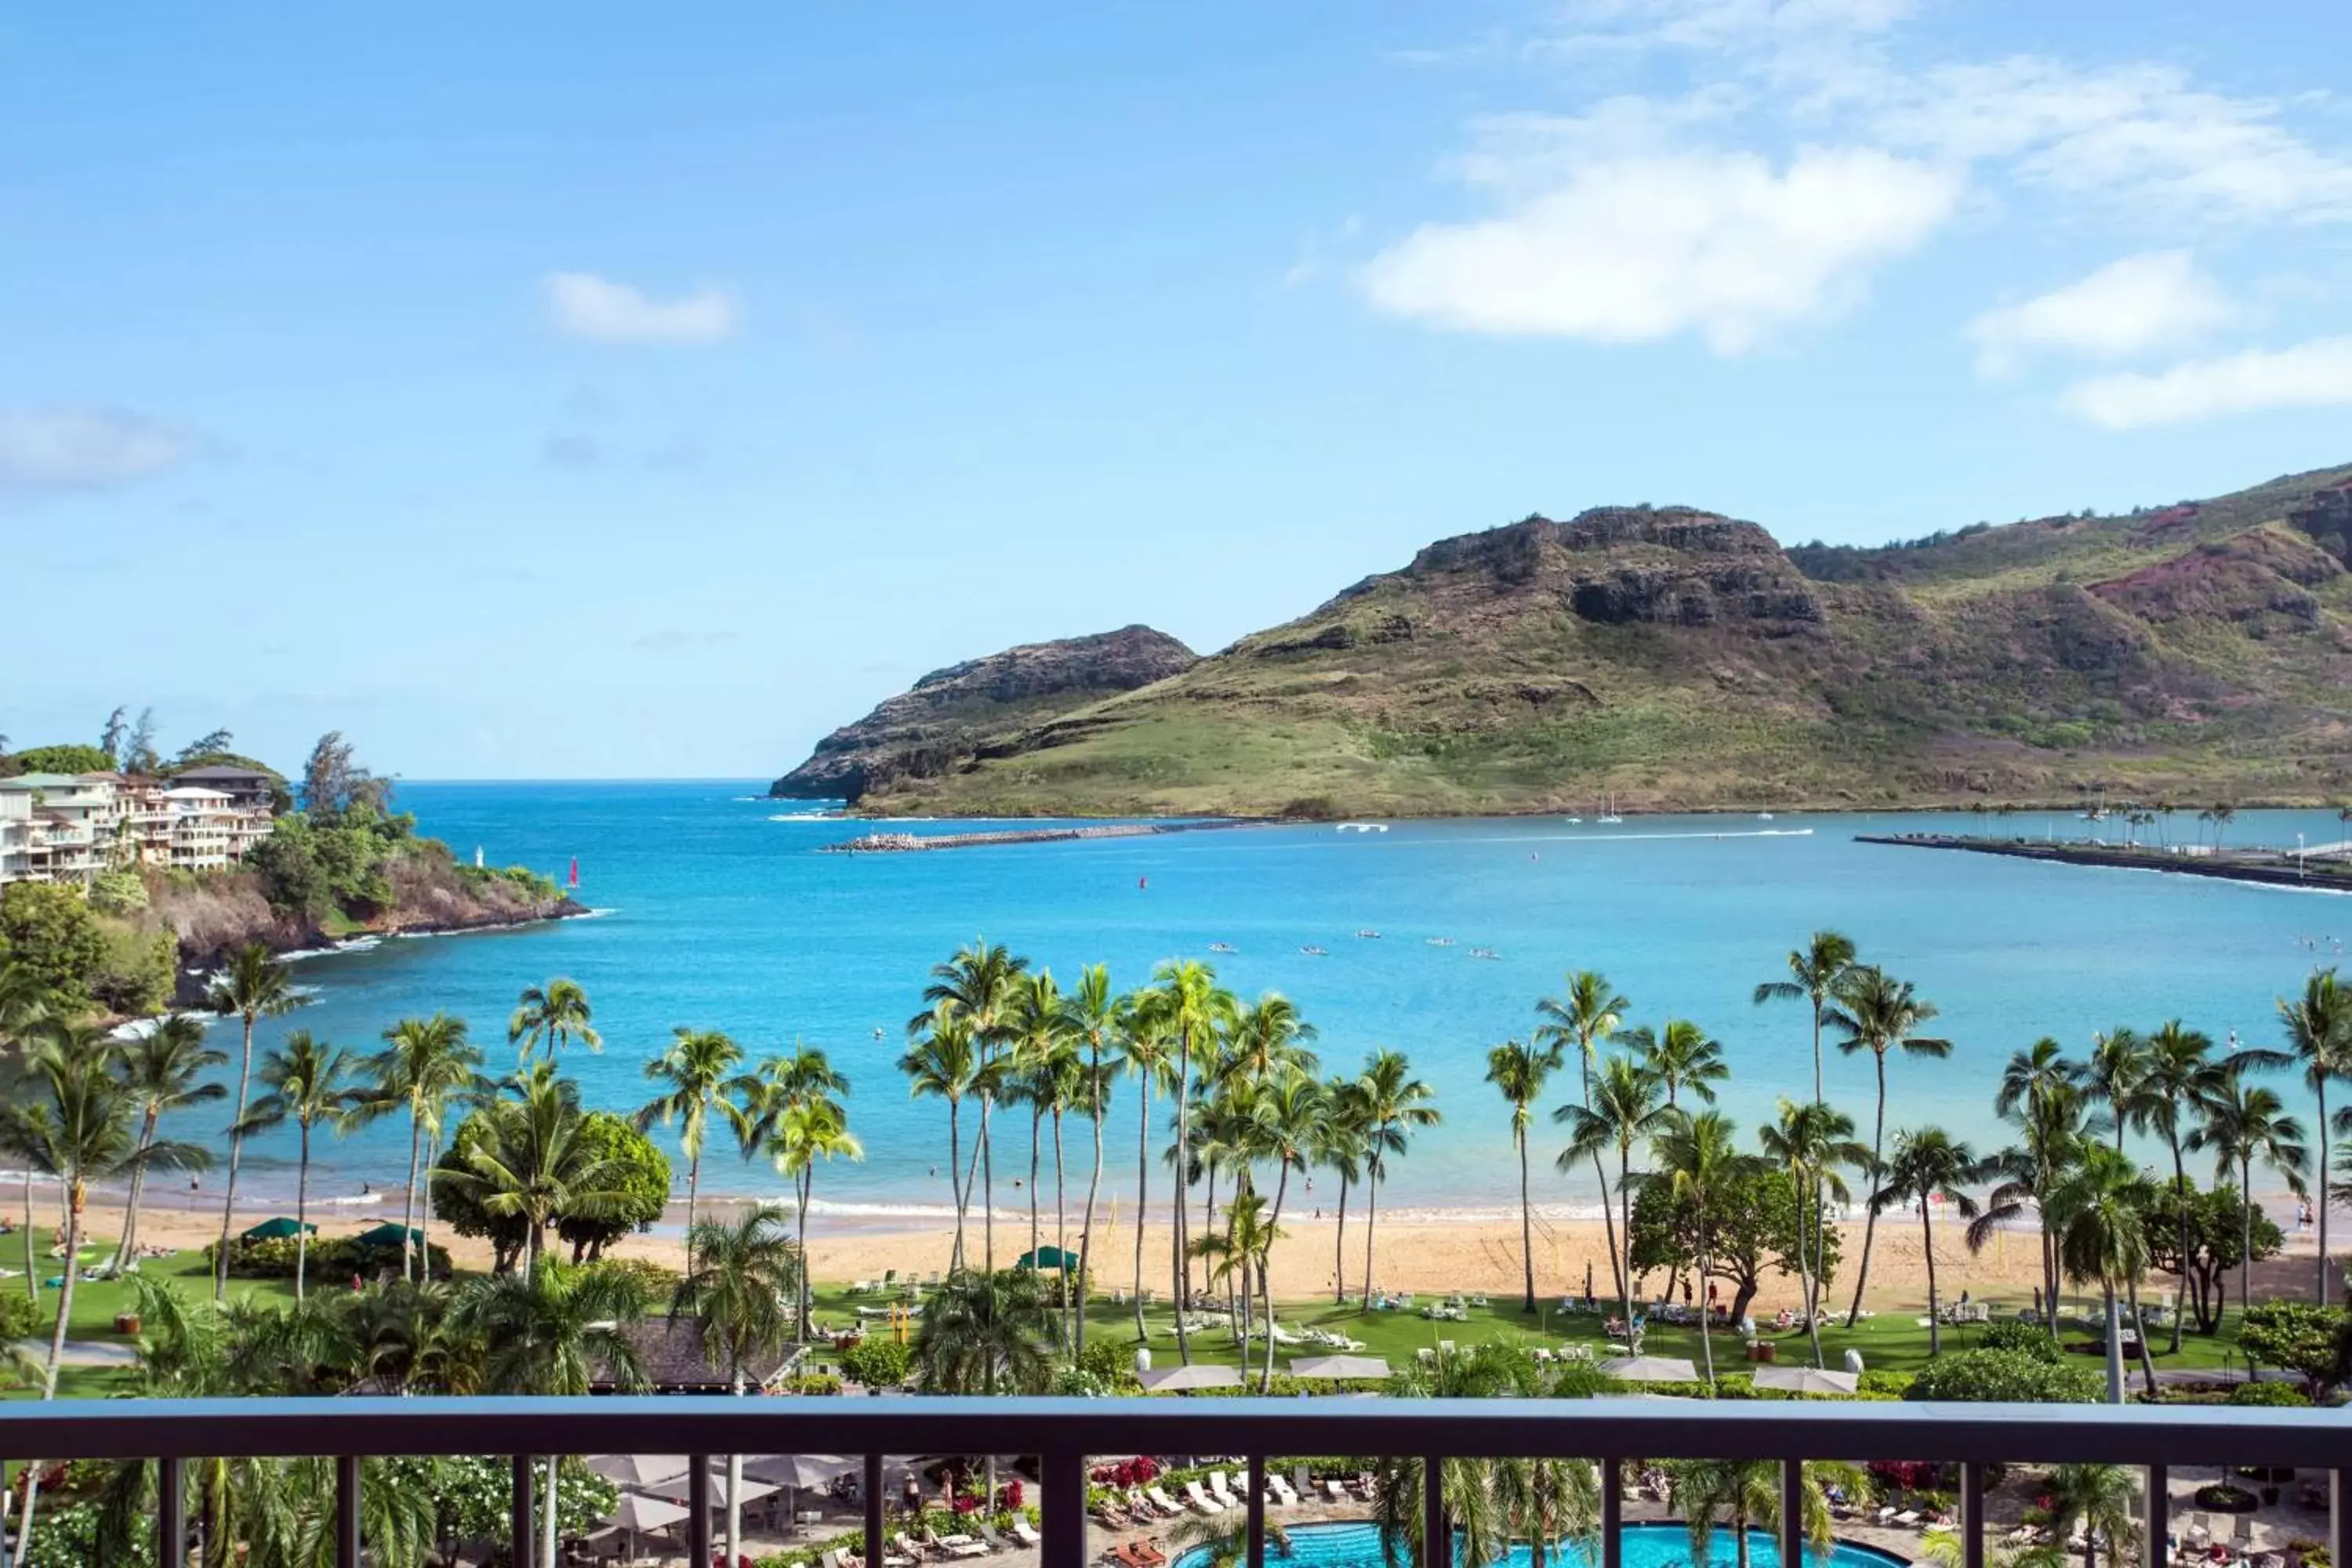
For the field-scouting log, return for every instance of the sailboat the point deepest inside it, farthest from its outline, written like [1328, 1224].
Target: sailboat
[1611, 814]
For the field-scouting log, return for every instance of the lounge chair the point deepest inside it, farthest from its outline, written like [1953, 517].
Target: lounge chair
[1280, 1490]
[1201, 1501]
[996, 1542]
[1147, 1554]
[1221, 1489]
[829, 1559]
[1333, 1490]
[1023, 1533]
[1169, 1507]
[953, 1545]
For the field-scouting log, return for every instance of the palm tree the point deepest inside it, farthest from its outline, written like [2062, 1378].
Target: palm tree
[2119, 1059]
[2053, 1130]
[1098, 1017]
[1696, 1156]
[1815, 972]
[1584, 1016]
[805, 1132]
[1040, 1039]
[986, 1334]
[254, 987]
[161, 1069]
[1191, 1007]
[1395, 1105]
[1142, 1051]
[2223, 815]
[552, 1016]
[534, 1163]
[2099, 1498]
[735, 1295]
[1283, 1117]
[1745, 1494]
[2181, 1076]
[941, 1063]
[1681, 1056]
[1236, 1256]
[307, 1083]
[1880, 1014]
[980, 982]
[694, 1072]
[1518, 1072]
[424, 1064]
[1627, 1106]
[1929, 1165]
[1343, 1143]
[2032, 1074]
[557, 1330]
[2319, 1034]
[2098, 1213]
[2245, 1124]
[1812, 1142]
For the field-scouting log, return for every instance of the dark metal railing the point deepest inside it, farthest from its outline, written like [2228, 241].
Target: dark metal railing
[1065, 1434]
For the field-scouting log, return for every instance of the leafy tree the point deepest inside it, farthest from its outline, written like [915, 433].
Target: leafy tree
[2214, 1226]
[2244, 1125]
[257, 984]
[1759, 1229]
[1814, 1143]
[333, 783]
[1700, 1166]
[66, 759]
[2298, 1336]
[532, 1162]
[49, 930]
[136, 969]
[2180, 1077]
[138, 754]
[118, 892]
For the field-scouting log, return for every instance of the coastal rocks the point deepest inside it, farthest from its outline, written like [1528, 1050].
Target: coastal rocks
[940, 722]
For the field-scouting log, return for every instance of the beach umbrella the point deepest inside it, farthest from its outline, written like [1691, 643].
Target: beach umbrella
[1339, 1366]
[1175, 1379]
[1047, 1258]
[279, 1229]
[388, 1234]
[633, 1513]
[1806, 1380]
[794, 1472]
[674, 1487]
[639, 1469]
[1651, 1369]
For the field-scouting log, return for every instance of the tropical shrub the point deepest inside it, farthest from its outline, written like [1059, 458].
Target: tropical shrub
[2279, 1394]
[2031, 1339]
[2016, 1376]
[2295, 1335]
[332, 1258]
[877, 1362]
[2221, 1497]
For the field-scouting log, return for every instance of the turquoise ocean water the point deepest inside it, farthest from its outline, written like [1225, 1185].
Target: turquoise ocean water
[716, 911]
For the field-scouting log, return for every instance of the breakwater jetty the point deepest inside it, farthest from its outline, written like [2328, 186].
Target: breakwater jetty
[2320, 865]
[906, 843]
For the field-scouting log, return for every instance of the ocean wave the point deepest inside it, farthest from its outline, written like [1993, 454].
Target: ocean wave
[805, 816]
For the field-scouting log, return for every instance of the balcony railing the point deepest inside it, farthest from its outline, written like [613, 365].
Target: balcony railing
[1066, 1435]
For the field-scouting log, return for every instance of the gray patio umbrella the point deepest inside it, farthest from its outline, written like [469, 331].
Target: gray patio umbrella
[638, 1470]
[1339, 1366]
[1806, 1380]
[795, 1472]
[1174, 1379]
[676, 1488]
[1651, 1369]
[633, 1513]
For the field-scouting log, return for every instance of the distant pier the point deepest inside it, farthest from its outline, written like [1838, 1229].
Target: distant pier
[906, 842]
[2319, 866]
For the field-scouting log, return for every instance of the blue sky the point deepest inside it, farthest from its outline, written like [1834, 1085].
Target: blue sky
[597, 390]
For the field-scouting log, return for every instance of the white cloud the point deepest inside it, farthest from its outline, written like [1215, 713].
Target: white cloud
[582, 305]
[51, 449]
[2315, 374]
[2127, 307]
[1649, 246]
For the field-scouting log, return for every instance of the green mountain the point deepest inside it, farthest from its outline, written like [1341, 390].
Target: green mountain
[1674, 658]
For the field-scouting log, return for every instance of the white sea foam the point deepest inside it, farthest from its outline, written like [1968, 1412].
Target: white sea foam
[805, 816]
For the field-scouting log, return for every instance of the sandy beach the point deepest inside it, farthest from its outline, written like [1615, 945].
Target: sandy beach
[1420, 1252]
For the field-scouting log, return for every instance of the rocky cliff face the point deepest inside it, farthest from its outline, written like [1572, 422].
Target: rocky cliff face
[939, 723]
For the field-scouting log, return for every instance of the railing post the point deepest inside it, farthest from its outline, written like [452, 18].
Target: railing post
[2339, 1513]
[170, 1522]
[1612, 1513]
[1063, 1512]
[697, 1513]
[1972, 1520]
[347, 1511]
[2158, 1509]
[1257, 1506]
[1793, 1513]
[519, 1534]
[1436, 1537]
[873, 1512]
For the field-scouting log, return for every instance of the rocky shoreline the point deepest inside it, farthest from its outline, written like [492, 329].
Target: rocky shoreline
[2274, 868]
[201, 954]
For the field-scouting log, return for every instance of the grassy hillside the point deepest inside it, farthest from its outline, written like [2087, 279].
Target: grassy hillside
[1679, 658]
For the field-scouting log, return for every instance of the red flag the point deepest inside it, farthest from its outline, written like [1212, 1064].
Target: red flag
[576, 870]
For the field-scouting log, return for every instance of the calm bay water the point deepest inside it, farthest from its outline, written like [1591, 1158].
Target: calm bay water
[716, 912]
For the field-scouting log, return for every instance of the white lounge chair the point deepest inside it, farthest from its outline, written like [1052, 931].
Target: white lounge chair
[1024, 1534]
[1168, 1506]
[1221, 1489]
[1200, 1499]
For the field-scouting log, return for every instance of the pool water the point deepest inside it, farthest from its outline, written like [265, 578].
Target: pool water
[1357, 1546]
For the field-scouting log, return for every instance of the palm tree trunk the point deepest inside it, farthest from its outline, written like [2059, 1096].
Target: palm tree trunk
[1340, 1248]
[32, 1269]
[1526, 1220]
[1061, 1230]
[56, 1357]
[693, 1189]
[801, 1296]
[1869, 1218]
[1208, 1225]
[2115, 1345]
[301, 1212]
[987, 1186]
[2147, 1357]
[1706, 1331]
[1036, 1129]
[1625, 1202]
[1371, 1226]
[1810, 1284]
[547, 1522]
[128, 1250]
[1928, 1245]
[1094, 1185]
[1265, 1274]
[2320, 1088]
[408, 1201]
[2245, 1236]
[955, 1182]
[235, 1153]
[1182, 1274]
[1817, 1051]
[424, 1212]
[1142, 1198]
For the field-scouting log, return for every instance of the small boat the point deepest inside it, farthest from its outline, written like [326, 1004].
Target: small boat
[1220, 947]
[1316, 951]
[1484, 953]
[1362, 827]
[1763, 817]
[1610, 814]
[1369, 934]
[1441, 941]
[1575, 822]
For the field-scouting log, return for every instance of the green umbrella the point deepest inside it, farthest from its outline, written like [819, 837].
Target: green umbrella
[1048, 1257]
[388, 1235]
[279, 1229]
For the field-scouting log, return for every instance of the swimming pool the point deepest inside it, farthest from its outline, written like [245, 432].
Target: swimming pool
[1357, 1546]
